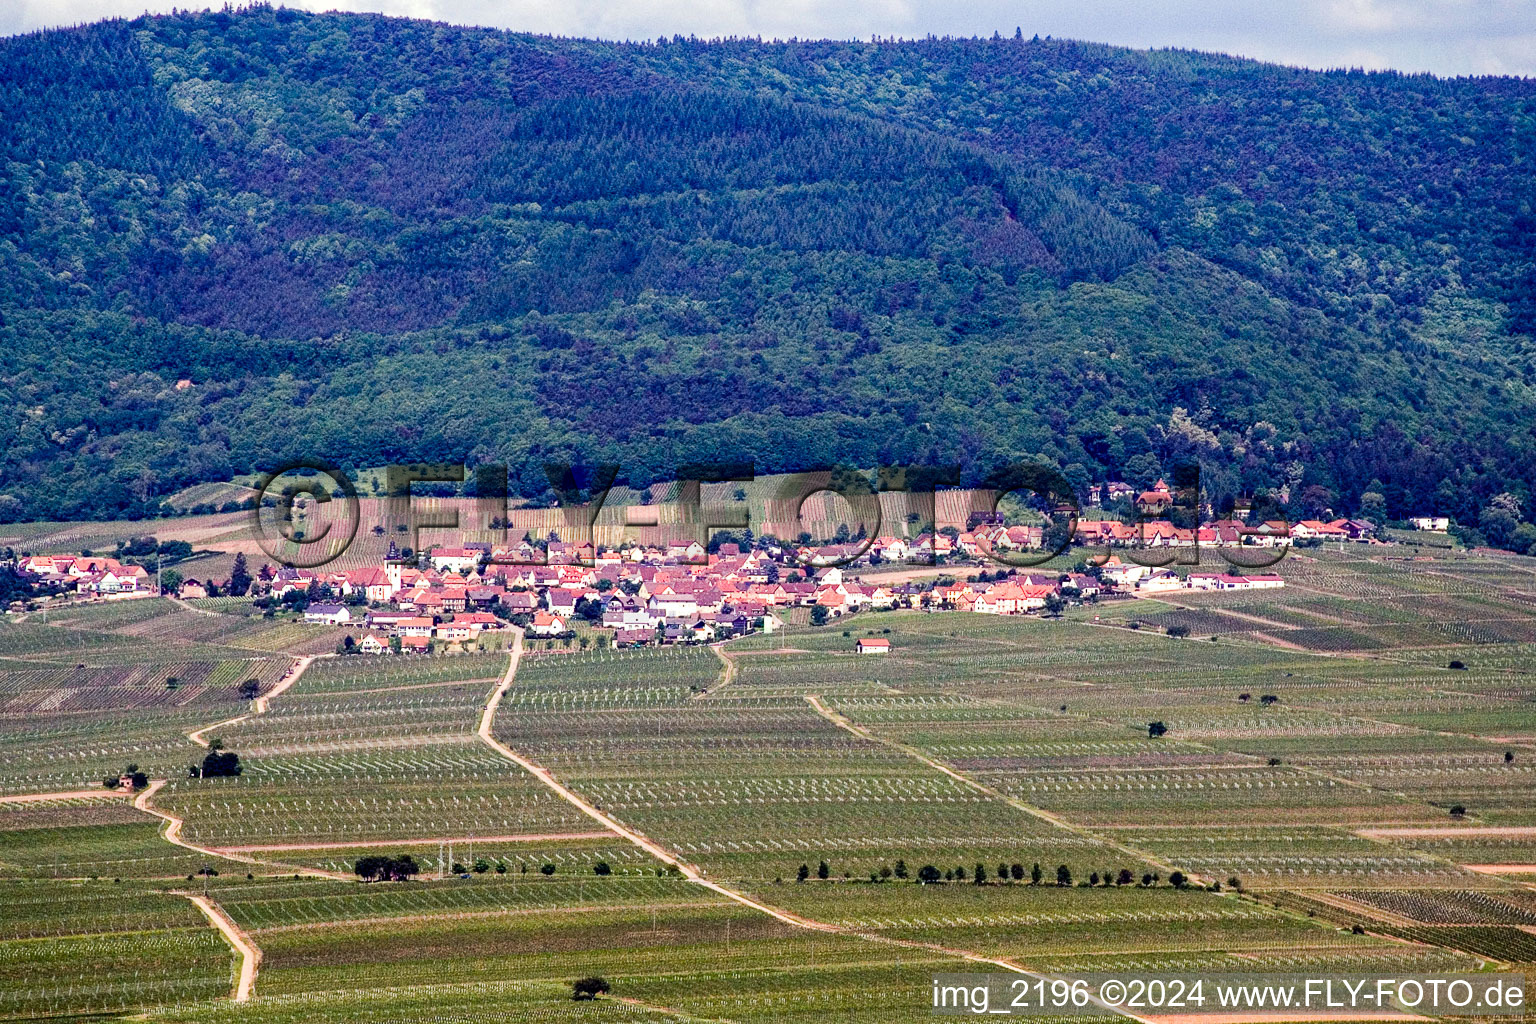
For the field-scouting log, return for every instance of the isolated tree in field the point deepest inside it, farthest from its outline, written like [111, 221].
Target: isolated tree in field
[1002, 872]
[1178, 631]
[979, 876]
[379, 868]
[1235, 883]
[1125, 877]
[218, 763]
[928, 874]
[1269, 699]
[961, 874]
[239, 577]
[1035, 874]
[885, 872]
[546, 869]
[823, 870]
[1053, 605]
[1156, 729]
[1063, 875]
[1458, 811]
[803, 873]
[901, 868]
[1178, 879]
[481, 865]
[1509, 755]
[1016, 871]
[589, 988]
[1244, 697]
[602, 868]
[1093, 879]
[250, 689]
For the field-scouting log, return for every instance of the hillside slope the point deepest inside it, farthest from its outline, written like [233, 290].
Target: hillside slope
[375, 239]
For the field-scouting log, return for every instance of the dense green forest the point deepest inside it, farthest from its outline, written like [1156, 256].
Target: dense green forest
[372, 239]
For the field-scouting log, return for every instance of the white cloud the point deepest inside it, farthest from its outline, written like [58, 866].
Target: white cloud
[1448, 37]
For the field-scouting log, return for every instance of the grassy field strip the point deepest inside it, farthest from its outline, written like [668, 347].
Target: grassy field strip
[814, 700]
[250, 953]
[470, 915]
[691, 873]
[259, 706]
[683, 1015]
[74, 794]
[1308, 769]
[368, 844]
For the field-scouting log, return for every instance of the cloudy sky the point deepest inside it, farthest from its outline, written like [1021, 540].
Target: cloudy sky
[1448, 37]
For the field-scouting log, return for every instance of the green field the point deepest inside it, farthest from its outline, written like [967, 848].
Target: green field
[1004, 743]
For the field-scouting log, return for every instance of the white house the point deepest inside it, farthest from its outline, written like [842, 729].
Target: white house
[874, 645]
[545, 624]
[455, 559]
[1437, 523]
[330, 614]
[372, 644]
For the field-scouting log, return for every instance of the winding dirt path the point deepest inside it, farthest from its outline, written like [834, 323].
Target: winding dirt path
[727, 673]
[690, 871]
[250, 954]
[172, 835]
[259, 705]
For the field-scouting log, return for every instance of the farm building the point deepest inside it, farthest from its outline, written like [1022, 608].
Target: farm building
[874, 645]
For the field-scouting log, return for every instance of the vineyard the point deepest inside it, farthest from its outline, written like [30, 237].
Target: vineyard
[978, 740]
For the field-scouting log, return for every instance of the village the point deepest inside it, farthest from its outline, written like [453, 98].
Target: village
[685, 592]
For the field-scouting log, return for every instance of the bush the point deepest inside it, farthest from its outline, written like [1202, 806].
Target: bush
[589, 988]
[602, 868]
[928, 874]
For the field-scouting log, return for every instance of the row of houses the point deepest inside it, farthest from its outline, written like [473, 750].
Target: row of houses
[1135, 578]
[88, 574]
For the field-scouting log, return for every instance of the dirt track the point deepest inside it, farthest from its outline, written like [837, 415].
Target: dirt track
[250, 955]
[694, 874]
[1449, 832]
[259, 706]
[73, 794]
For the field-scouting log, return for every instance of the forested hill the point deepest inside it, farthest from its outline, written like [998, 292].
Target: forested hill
[375, 239]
